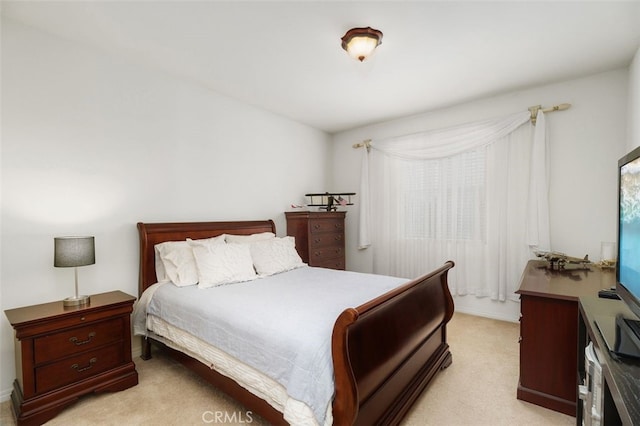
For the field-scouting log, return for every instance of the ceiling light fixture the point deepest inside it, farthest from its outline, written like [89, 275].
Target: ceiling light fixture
[361, 42]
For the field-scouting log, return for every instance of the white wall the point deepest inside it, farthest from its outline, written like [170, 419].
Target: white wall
[634, 103]
[585, 144]
[92, 144]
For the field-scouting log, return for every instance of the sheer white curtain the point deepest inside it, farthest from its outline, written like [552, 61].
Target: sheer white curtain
[475, 194]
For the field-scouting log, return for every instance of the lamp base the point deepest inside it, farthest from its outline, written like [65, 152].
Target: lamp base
[76, 301]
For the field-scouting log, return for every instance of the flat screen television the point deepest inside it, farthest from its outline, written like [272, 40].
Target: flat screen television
[628, 265]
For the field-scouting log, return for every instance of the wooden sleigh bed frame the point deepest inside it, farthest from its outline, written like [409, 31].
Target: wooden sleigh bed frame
[385, 352]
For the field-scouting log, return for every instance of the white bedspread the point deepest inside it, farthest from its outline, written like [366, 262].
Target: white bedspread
[280, 325]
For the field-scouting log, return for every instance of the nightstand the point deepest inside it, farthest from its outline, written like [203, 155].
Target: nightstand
[319, 237]
[63, 353]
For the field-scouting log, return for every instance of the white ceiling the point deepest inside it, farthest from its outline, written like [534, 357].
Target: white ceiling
[286, 57]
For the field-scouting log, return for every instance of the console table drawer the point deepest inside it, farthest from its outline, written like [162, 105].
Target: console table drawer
[79, 367]
[69, 342]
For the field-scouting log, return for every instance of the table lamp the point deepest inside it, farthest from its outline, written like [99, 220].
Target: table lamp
[74, 252]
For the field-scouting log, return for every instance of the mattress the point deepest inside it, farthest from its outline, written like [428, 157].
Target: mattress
[272, 335]
[262, 386]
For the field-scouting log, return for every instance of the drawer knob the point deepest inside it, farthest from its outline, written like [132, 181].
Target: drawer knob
[81, 369]
[77, 342]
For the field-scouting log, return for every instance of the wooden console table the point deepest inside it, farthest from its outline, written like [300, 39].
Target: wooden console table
[621, 376]
[549, 332]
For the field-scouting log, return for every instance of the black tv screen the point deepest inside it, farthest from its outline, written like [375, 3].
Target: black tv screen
[628, 266]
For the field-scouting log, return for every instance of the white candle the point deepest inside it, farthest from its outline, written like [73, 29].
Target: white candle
[607, 251]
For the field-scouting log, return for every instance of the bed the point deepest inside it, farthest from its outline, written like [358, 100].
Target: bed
[384, 352]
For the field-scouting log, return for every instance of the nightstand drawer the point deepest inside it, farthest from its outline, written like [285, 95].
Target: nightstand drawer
[69, 342]
[79, 367]
[326, 225]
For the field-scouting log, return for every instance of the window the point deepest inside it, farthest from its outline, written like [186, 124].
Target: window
[445, 199]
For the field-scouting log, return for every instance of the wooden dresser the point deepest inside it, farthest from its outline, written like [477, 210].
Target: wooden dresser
[319, 237]
[63, 353]
[549, 332]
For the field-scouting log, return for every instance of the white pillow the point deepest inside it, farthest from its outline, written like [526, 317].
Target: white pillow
[161, 274]
[243, 239]
[207, 241]
[178, 262]
[223, 264]
[275, 255]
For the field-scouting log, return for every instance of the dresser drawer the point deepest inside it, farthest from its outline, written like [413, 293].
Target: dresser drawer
[326, 225]
[79, 367]
[334, 263]
[76, 340]
[326, 240]
[321, 254]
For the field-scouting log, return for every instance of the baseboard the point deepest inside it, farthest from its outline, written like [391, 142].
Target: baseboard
[5, 395]
[486, 314]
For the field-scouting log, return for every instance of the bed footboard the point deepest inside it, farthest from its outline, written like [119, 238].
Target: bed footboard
[386, 351]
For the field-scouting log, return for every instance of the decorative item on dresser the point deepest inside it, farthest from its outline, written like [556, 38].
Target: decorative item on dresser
[549, 331]
[319, 237]
[329, 201]
[65, 352]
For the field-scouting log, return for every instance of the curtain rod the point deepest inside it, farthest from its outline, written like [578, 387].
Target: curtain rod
[534, 110]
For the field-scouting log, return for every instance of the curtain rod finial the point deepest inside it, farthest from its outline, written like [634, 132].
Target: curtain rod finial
[534, 110]
[534, 113]
[366, 143]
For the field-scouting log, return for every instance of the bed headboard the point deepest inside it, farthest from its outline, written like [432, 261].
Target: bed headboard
[153, 233]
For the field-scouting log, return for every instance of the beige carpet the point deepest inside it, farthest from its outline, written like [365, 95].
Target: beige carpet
[479, 388]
